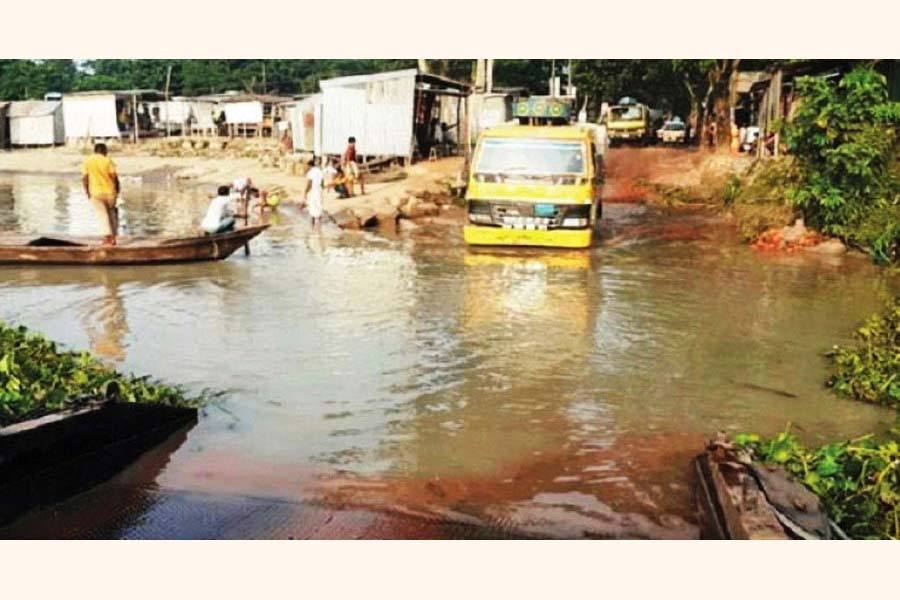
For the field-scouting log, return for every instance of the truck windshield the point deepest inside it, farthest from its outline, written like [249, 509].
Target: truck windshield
[531, 157]
[626, 113]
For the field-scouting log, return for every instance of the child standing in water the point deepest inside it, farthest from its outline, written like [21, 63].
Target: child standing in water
[315, 183]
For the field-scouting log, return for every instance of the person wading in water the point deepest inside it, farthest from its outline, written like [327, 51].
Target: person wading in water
[101, 185]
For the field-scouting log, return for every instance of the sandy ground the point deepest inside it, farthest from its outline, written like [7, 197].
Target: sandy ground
[211, 172]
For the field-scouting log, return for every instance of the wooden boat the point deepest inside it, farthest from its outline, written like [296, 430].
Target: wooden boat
[738, 499]
[57, 250]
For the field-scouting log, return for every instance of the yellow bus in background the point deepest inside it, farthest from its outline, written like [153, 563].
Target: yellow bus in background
[536, 182]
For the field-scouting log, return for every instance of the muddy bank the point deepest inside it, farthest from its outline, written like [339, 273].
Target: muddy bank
[395, 199]
[732, 187]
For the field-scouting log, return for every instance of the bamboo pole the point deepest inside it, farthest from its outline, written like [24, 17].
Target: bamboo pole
[134, 134]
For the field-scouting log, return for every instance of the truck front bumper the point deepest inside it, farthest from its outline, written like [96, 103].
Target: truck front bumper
[476, 235]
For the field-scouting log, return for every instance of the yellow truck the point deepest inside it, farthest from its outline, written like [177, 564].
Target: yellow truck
[629, 121]
[536, 182]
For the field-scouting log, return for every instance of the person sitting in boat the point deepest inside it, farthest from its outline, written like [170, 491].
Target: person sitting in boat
[219, 217]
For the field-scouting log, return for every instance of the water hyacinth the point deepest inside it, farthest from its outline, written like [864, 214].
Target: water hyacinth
[857, 481]
[38, 378]
[870, 370]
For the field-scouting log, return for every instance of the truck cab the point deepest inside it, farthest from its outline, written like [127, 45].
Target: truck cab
[629, 121]
[536, 182]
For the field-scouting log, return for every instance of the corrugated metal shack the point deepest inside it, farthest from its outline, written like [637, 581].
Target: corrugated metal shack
[184, 116]
[390, 114]
[305, 118]
[110, 114]
[239, 114]
[35, 123]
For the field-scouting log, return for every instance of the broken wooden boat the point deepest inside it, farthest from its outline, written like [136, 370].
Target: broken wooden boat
[739, 499]
[63, 250]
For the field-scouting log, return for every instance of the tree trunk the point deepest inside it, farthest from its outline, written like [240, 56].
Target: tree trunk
[423, 65]
[723, 122]
[719, 97]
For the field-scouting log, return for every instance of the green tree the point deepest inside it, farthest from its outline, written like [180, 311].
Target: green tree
[844, 137]
[31, 79]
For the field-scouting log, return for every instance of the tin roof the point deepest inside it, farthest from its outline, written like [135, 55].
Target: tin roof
[243, 97]
[428, 78]
[139, 92]
[32, 108]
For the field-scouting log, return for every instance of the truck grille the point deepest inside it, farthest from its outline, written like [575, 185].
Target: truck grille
[525, 214]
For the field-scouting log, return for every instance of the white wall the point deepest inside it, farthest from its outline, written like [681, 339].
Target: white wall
[36, 131]
[244, 113]
[91, 116]
[378, 113]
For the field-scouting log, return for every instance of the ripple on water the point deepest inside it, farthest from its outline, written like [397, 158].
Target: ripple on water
[561, 392]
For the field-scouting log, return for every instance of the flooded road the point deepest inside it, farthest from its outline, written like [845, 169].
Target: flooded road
[557, 393]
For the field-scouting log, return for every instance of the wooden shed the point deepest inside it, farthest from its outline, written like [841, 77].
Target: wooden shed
[35, 123]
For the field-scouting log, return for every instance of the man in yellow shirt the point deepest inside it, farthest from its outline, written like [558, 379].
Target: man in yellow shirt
[101, 184]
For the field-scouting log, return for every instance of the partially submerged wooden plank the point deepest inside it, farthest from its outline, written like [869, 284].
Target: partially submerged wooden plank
[53, 457]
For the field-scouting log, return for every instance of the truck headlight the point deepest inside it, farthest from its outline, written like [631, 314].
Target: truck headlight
[574, 222]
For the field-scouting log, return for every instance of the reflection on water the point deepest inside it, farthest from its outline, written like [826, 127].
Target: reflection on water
[105, 321]
[563, 393]
[46, 204]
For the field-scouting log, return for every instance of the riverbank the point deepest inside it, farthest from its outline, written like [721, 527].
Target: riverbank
[386, 202]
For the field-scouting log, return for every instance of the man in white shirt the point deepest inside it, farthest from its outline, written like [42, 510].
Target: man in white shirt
[219, 217]
[315, 184]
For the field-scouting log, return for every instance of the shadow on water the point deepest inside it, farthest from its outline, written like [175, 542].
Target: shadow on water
[109, 510]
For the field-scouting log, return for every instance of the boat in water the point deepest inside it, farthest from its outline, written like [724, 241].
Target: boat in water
[62, 250]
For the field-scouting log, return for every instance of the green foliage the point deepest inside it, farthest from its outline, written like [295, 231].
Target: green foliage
[732, 189]
[656, 82]
[37, 378]
[675, 85]
[845, 140]
[31, 79]
[858, 481]
[758, 199]
[870, 370]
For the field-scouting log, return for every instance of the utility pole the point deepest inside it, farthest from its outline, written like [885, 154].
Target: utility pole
[168, 81]
[480, 74]
[552, 76]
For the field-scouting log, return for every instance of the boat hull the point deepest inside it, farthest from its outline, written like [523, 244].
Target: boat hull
[130, 251]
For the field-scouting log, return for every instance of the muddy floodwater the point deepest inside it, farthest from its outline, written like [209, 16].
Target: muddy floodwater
[554, 393]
